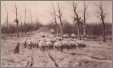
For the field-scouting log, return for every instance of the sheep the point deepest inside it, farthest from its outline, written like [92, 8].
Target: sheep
[80, 44]
[68, 44]
[30, 45]
[57, 45]
[34, 43]
[58, 38]
[37, 44]
[50, 44]
[73, 44]
[42, 45]
[25, 44]
[65, 36]
[73, 35]
[65, 44]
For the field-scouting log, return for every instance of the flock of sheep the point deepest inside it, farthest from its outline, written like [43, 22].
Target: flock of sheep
[57, 42]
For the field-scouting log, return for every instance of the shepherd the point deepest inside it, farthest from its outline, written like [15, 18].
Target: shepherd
[17, 48]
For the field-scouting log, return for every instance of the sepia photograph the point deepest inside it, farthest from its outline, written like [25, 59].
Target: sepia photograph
[56, 34]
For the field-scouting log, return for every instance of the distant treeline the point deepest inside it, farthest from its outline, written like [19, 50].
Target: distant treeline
[26, 27]
[91, 29]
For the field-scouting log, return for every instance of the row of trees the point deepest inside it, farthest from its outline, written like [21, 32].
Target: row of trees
[21, 26]
[78, 21]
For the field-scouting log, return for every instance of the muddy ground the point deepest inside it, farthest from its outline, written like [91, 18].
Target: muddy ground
[97, 54]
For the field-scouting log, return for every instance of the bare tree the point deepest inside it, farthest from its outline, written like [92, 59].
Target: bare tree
[77, 19]
[17, 21]
[21, 24]
[25, 12]
[102, 19]
[60, 19]
[55, 19]
[84, 24]
[25, 16]
[31, 19]
[7, 17]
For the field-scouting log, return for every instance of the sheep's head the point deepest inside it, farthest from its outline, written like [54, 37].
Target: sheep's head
[53, 41]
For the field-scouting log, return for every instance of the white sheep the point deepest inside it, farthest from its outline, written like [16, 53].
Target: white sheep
[42, 44]
[27, 43]
[80, 44]
[73, 35]
[57, 45]
[49, 44]
[58, 38]
[65, 36]
[46, 44]
[73, 44]
[34, 43]
[65, 44]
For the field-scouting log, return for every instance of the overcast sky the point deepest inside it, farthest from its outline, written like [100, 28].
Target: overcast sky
[42, 10]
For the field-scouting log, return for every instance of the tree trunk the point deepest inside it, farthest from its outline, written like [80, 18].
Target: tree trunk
[7, 19]
[102, 18]
[84, 24]
[78, 31]
[61, 26]
[77, 19]
[60, 18]
[104, 38]
[17, 23]
[57, 30]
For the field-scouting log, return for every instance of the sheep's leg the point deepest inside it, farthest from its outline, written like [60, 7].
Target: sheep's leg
[25, 44]
[51, 47]
[68, 47]
[57, 48]
[41, 48]
[30, 46]
[37, 45]
[45, 47]
[60, 48]
[34, 45]
[54, 47]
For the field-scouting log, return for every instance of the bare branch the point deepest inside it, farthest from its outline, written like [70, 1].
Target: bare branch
[60, 18]
[77, 19]
[84, 26]
[54, 17]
